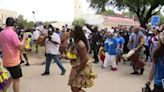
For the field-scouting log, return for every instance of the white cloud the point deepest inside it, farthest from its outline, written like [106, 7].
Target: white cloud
[60, 10]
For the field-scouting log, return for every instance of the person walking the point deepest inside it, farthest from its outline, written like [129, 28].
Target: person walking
[11, 46]
[81, 75]
[52, 44]
[121, 42]
[137, 42]
[95, 44]
[35, 37]
[157, 70]
[111, 46]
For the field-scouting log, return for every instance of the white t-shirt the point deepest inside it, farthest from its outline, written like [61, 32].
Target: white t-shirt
[45, 32]
[87, 32]
[52, 48]
[35, 35]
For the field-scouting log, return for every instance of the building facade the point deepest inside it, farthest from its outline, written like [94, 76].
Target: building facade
[77, 9]
[4, 14]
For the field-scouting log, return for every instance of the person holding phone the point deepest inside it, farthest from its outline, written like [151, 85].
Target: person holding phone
[157, 70]
[11, 46]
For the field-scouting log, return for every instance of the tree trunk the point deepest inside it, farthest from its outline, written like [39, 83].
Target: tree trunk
[143, 24]
[142, 21]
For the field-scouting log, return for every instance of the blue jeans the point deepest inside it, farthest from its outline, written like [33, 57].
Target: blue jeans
[49, 58]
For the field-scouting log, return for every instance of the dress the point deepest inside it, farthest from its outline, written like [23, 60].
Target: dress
[83, 79]
[27, 46]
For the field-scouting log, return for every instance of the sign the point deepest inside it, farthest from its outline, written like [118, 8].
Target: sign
[155, 20]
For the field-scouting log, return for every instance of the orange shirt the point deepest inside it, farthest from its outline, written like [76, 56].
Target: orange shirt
[9, 43]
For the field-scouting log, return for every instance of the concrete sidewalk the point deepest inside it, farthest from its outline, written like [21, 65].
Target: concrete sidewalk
[107, 81]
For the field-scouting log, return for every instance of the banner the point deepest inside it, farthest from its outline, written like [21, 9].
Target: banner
[155, 20]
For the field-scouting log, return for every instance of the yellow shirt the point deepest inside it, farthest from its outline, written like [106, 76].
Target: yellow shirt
[101, 51]
[27, 43]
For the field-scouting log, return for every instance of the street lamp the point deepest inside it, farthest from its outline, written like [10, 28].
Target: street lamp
[33, 12]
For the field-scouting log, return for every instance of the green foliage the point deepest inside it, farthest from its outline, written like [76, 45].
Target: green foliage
[29, 24]
[144, 9]
[98, 4]
[107, 12]
[162, 20]
[129, 14]
[26, 24]
[79, 22]
[49, 22]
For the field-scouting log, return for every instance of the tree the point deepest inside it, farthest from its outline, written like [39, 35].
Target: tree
[107, 12]
[29, 25]
[129, 14]
[144, 9]
[98, 4]
[162, 20]
[49, 22]
[23, 22]
[79, 22]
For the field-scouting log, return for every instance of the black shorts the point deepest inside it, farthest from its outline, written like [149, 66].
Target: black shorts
[16, 71]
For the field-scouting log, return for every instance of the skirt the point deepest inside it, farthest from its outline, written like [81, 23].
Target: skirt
[84, 79]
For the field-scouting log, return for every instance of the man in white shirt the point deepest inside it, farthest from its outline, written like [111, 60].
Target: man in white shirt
[35, 37]
[52, 44]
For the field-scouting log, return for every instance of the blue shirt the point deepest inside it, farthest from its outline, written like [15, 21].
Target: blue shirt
[111, 46]
[159, 71]
[132, 34]
[136, 40]
[120, 40]
[106, 47]
[59, 33]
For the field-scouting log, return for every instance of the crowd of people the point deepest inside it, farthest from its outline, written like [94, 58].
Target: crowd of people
[78, 44]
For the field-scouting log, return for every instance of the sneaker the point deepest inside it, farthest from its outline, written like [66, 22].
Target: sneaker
[63, 72]
[134, 73]
[27, 64]
[142, 71]
[95, 62]
[45, 73]
[114, 69]
[22, 62]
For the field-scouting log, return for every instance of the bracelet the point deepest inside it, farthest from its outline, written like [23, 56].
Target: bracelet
[148, 82]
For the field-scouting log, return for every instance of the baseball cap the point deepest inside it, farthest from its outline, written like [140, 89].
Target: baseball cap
[10, 21]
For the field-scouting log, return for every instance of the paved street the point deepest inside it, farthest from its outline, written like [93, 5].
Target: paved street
[107, 81]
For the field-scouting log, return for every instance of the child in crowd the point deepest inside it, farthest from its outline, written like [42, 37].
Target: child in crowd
[27, 48]
[102, 54]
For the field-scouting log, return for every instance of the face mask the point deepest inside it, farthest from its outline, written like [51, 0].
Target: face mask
[49, 29]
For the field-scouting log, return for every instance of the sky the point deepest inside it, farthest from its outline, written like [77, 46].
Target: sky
[46, 10]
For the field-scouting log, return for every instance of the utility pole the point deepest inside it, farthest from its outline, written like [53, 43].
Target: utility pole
[33, 12]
